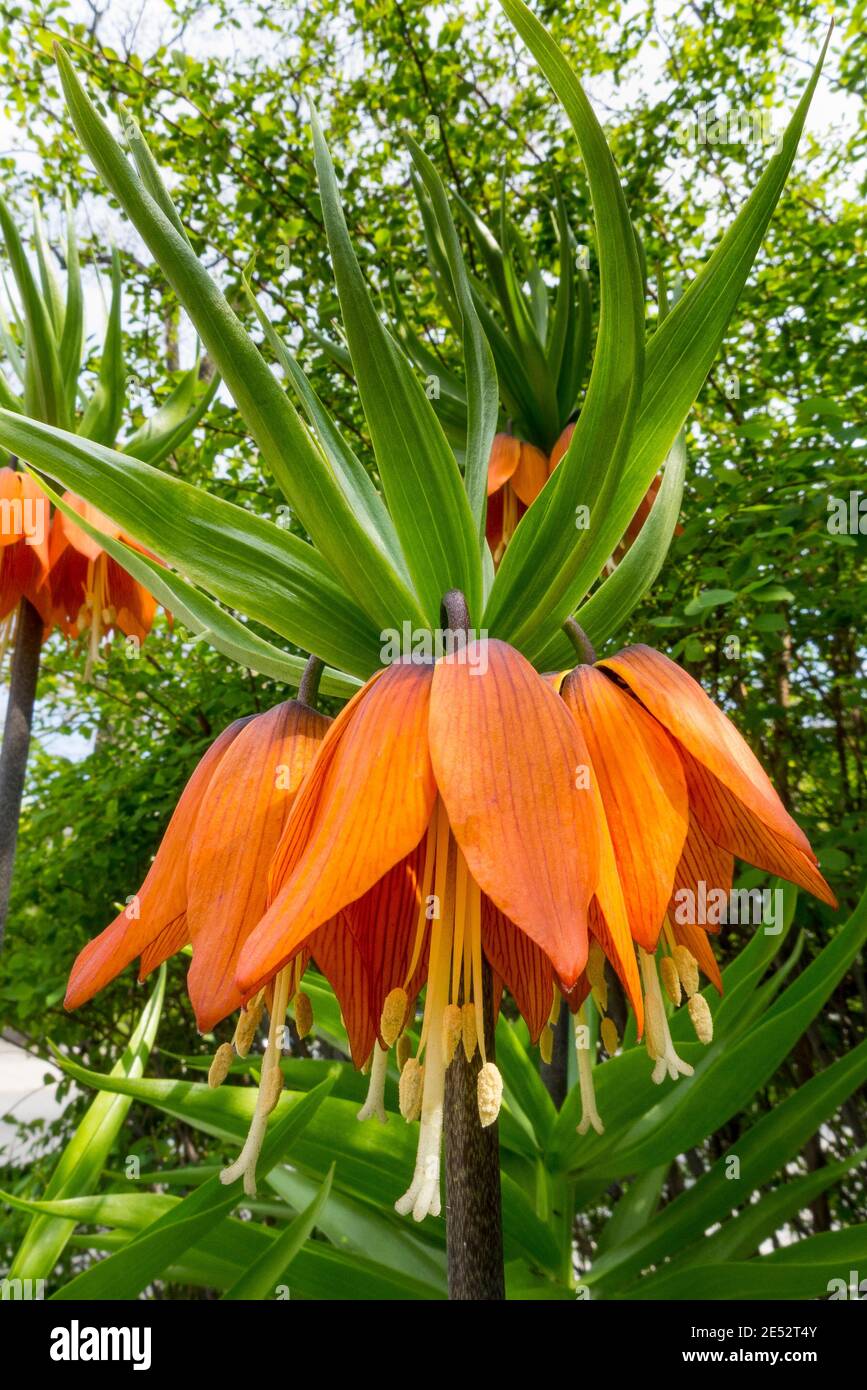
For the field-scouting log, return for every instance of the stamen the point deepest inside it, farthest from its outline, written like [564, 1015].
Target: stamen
[393, 1015]
[596, 976]
[410, 1089]
[423, 1195]
[270, 1083]
[468, 1030]
[303, 1014]
[546, 1044]
[426, 881]
[248, 1024]
[610, 1039]
[658, 1038]
[221, 1065]
[702, 1019]
[670, 980]
[375, 1103]
[687, 969]
[402, 1051]
[452, 1024]
[489, 1093]
[589, 1113]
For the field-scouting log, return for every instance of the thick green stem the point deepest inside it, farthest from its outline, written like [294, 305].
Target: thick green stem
[16, 742]
[474, 1222]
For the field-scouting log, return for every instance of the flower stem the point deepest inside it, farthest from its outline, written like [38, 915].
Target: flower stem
[308, 688]
[474, 1224]
[16, 742]
[580, 641]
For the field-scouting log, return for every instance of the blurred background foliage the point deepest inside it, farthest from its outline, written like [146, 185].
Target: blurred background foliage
[759, 599]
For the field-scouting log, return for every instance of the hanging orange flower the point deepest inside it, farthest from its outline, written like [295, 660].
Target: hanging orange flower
[470, 774]
[24, 557]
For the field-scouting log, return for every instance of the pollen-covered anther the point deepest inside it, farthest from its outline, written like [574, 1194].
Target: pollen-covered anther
[702, 1020]
[546, 1044]
[393, 1016]
[452, 1026]
[375, 1102]
[489, 1093]
[469, 1031]
[657, 1034]
[670, 980]
[248, 1024]
[410, 1089]
[687, 969]
[221, 1065]
[272, 1085]
[610, 1039]
[596, 976]
[403, 1051]
[303, 1014]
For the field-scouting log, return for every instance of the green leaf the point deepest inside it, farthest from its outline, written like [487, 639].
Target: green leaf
[126, 1273]
[73, 318]
[544, 571]
[80, 1165]
[482, 396]
[261, 1279]
[223, 632]
[347, 540]
[104, 412]
[43, 381]
[420, 477]
[167, 428]
[708, 598]
[245, 561]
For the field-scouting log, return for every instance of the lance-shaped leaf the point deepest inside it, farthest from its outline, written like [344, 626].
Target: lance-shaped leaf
[482, 401]
[204, 617]
[420, 476]
[167, 428]
[682, 350]
[72, 336]
[80, 1165]
[261, 1279]
[610, 606]
[43, 381]
[538, 581]
[349, 541]
[104, 411]
[245, 561]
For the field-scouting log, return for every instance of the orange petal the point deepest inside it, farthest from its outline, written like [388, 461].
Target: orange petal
[75, 536]
[531, 475]
[384, 923]
[494, 521]
[335, 951]
[364, 807]
[519, 962]
[560, 447]
[162, 898]
[506, 754]
[502, 461]
[682, 707]
[643, 790]
[609, 921]
[233, 843]
[739, 829]
[702, 862]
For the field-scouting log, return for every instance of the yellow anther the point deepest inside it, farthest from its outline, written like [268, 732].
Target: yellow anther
[670, 979]
[468, 1031]
[452, 1027]
[410, 1089]
[271, 1085]
[702, 1020]
[610, 1040]
[489, 1093]
[403, 1050]
[220, 1065]
[303, 1014]
[546, 1044]
[393, 1016]
[248, 1024]
[687, 969]
[596, 966]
